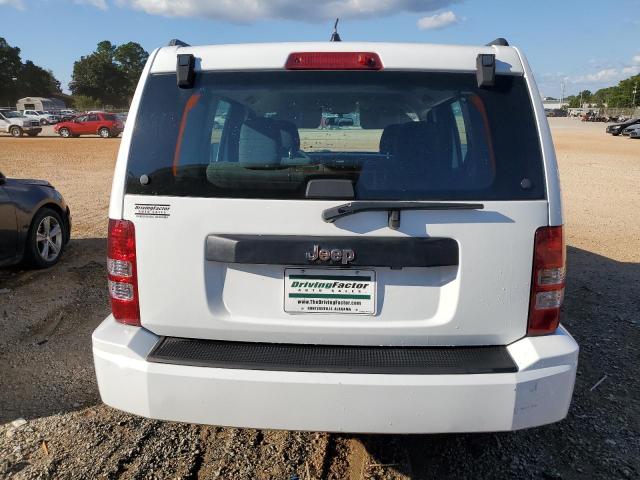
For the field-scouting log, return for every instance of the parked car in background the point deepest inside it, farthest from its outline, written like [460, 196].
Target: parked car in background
[42, 117]
[104, 124]
[53, 117]
[555, 112]
[35, 222]
[16, 124]
[593, 117]
[63, 115]
[629, 130]
[66, 115]
[617, 128]
[123, 117]
[635, 134]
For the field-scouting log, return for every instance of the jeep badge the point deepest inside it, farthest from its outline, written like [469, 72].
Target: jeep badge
[345, 256]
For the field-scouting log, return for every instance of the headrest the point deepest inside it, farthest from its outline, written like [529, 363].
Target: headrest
[260, 142]
[389, 138]
[414, 141]
[290, 137]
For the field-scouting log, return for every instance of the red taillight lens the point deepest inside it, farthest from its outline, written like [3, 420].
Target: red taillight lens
[333, 61]
[548, 282]
[122, 272]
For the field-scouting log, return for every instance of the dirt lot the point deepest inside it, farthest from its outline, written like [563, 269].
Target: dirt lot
[46, 373]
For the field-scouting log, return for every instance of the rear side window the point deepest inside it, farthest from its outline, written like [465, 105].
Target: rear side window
[109, 117]
[394, 135]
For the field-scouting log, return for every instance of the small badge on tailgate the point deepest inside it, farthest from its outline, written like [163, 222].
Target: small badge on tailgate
[344, 256]
[152, 210]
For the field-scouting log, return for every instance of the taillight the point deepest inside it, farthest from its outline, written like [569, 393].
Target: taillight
[548, 282]
[122, 272]
[333, 61]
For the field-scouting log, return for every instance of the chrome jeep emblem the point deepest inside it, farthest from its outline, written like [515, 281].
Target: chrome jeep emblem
[345, 256]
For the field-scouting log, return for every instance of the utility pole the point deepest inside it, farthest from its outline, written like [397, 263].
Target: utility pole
[562, 92]
[635, 90]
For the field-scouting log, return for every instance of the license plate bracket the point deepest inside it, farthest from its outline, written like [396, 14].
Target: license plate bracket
[329, 291]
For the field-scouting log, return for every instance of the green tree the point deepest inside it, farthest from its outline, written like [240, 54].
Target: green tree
[36, 81]
[10, 66]
[109, 74]
[573, 100]
[584, 96]
[620, 96]
[83, 102]
[19, 79]
[131, 58]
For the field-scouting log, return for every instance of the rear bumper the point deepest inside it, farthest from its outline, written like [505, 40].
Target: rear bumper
[539, 393]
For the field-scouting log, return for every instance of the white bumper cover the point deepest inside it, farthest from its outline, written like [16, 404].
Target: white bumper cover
[539, 393]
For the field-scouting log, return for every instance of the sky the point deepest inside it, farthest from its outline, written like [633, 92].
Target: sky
[587, 44]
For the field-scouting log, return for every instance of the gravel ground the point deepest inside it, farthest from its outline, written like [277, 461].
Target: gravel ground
[46, 371]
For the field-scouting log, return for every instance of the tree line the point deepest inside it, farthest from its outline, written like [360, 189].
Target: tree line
[23, 79]
[620, 96]
[106, 77]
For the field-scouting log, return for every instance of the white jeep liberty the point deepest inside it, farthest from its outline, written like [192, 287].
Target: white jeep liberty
[360, 237]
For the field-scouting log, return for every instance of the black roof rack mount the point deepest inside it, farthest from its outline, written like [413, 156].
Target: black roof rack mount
[185, 70]
[502, 42]
[486, 69]
[174, 42]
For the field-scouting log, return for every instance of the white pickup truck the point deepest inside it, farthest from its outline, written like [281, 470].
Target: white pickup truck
[16, 124]
[43, 118]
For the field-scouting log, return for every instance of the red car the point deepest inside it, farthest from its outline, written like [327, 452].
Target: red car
[104, 124]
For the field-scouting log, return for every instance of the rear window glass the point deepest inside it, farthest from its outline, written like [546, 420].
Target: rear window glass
[109, 116]
[393, 135]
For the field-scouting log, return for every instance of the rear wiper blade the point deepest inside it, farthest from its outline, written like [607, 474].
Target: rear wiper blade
[330, 215]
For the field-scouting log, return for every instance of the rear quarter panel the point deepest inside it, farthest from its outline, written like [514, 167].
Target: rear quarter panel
[120, 173]
[552, 176]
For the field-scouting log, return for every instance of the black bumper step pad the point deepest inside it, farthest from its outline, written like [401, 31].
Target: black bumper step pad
[333, 358]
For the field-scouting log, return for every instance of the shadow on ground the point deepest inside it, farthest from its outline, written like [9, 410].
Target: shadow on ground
[47, 318]
[601, 435]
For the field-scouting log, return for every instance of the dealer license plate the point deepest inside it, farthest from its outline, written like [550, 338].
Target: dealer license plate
[329, 291]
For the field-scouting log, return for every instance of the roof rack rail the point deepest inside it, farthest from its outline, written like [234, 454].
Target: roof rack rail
[174, 42]
[502, 42]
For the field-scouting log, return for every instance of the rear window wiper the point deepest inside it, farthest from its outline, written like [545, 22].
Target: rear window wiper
[330, 215]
